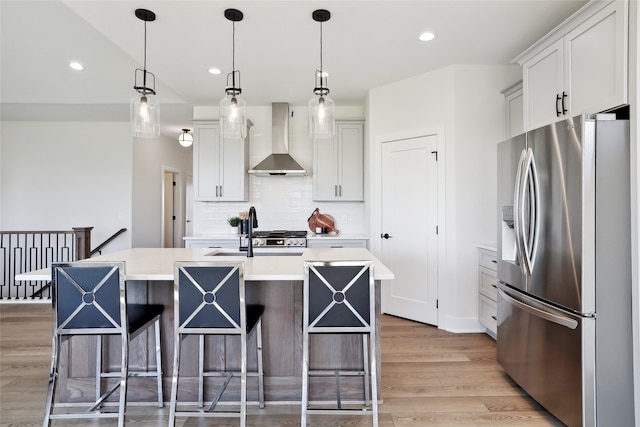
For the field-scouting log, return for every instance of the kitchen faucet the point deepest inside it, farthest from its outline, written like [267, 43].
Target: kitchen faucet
[253, 222]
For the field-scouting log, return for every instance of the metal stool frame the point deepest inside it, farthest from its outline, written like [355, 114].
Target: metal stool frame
[101, 310]
[198, 322]
[352, 318]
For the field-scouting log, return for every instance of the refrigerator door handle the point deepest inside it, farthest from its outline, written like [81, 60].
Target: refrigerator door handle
[530, 192]
[517, 195]
[551, 317]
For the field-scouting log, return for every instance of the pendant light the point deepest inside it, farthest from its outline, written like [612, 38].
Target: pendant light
[321, 108]
[185, 139]
[233, 109]
[144, 109]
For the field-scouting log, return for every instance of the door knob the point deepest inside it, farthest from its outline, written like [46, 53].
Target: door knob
[385, 236]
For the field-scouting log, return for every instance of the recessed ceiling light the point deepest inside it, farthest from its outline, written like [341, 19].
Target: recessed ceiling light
[427, 36]
[214, 70]
[76, 66]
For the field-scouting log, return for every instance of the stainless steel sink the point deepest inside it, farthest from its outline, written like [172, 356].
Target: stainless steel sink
[255, 253]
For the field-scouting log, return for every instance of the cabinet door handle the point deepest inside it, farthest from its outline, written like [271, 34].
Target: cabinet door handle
[335, 191]
[221, 191]
[558, 105]
[494, 318]
[340, 190]
[564, 96]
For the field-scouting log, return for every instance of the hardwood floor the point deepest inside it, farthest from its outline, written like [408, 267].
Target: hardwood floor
[429, 378]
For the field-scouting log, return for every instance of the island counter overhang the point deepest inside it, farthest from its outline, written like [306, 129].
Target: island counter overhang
[274, 281]
[157, 263]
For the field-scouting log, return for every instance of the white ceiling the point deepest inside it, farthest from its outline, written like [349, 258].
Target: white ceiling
[367, 44]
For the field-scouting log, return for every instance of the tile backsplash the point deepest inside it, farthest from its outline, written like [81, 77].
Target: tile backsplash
[281, 203]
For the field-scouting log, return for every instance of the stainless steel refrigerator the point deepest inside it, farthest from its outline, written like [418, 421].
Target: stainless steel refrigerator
[564, 269]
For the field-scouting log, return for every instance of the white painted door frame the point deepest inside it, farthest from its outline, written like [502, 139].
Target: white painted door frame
[179, 203]
[376, 202]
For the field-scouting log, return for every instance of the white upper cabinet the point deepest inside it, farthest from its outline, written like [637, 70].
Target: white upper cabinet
[513, 110]
[338, 164]
[595, 54]
[581, 67]
[219, 167]
[542, 79]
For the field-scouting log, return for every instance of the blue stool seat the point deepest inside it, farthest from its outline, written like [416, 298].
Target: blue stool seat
[139, 315]
[254, 314]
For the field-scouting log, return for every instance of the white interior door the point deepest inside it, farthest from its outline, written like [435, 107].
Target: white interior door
[409, 228]
[168, 210]
[188, 226]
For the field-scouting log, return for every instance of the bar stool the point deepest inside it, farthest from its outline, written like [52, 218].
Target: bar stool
[89, 298]
[209, 299]
[339, 298]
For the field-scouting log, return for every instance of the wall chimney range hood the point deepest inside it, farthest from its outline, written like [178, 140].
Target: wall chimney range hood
[279, 162]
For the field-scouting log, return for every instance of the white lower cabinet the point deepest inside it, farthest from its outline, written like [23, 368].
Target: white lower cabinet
[488, 290]
[328, 242]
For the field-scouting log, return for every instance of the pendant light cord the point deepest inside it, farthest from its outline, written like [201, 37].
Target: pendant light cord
[233, 57]
[321, 77]
[144, 72]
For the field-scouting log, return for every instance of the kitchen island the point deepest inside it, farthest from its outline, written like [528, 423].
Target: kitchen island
[271, 280]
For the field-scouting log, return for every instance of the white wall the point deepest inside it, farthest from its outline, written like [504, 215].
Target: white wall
[59, 175]
[281, 202]
[150, 156]
[464, 101]
[634, 98]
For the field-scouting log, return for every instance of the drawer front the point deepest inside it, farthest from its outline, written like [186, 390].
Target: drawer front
[214, 243]
[488, 281]
[487, 259]
[336, 243]
[488, 314]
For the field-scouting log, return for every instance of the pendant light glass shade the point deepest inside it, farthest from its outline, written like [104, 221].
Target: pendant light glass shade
[144, 109]
[145, 116]
[322, 117]
[233, 117]
[321, 108]
[233, 109]
[185, 139]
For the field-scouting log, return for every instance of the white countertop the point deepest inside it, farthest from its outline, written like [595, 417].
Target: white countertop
[488, 246]
[310, 235]
[158, 263]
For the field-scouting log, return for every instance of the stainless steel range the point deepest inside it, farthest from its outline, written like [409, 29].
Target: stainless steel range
[279, 239]
[276, 239]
